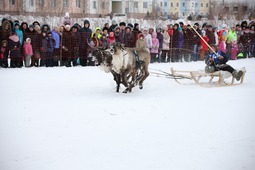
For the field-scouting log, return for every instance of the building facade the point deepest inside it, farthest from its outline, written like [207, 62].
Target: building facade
[172, 9]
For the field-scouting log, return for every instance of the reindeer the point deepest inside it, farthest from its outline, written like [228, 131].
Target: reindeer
[121, 63]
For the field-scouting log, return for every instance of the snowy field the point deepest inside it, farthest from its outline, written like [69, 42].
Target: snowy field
[72, 119]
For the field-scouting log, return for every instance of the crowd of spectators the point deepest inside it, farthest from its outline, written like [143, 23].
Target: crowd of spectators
[69, 45]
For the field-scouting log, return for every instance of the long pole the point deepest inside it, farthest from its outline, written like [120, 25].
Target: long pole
[60, 61]
[200, 36]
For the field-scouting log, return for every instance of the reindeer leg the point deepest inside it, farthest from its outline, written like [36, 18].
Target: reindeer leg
[144, 76]
[117, 79]
[118, 83]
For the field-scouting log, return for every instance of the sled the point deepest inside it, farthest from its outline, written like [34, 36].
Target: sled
[215, 79]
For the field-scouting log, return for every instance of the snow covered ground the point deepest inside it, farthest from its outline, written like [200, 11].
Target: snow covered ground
[72, 119]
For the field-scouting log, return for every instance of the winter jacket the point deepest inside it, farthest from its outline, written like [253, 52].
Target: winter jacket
[160, 39]
[129, 40]
[140, 43]
[216, 61]
[20, 35]
[66, 40]
[232, 36]
[56, 37]
[27, 49]
[234, 50]
[50, 44]
[211, 37]
[166, 41]
[14, 46]
[175, 38]
[44, 44]
[204, 46]
[216, 38]
[245, 40]
[180, 39]
[84, 35]
[188, 38]
[111, 39]
[155, 43]
[4, 53]
[148, 40]
[222, 46]
[121, 36]
[196, 37]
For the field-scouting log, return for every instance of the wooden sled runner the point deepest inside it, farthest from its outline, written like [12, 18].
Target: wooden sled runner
[215, 79]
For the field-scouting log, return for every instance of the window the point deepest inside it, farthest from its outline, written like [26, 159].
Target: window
[41, 3]
[65, 3]
[103, 5]
[135, 4]
[31, 2]
[207, 5]
[245, 8]
[165, 3]
[202, 4]
[12, 2]
[78, 3]
[172, 4]
[94, 5]
[53, 3]
[183, 4]
[145, 4]
[177, 4]
[226, 9]
[161, 3]
[235, 8]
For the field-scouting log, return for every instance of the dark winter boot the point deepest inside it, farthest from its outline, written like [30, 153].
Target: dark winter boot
[237, 74]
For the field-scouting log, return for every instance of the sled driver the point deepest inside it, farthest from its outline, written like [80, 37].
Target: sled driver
[216, 60]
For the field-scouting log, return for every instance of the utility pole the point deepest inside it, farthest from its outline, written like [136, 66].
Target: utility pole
[123, 6]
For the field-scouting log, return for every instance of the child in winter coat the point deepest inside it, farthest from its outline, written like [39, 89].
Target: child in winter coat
[140, 43]
[4, 54]
[234, 50]
[111, 38]
[28, 52]
[154, 48]
[222, 45]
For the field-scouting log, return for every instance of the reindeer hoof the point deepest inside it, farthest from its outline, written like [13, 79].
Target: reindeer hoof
[140, 86]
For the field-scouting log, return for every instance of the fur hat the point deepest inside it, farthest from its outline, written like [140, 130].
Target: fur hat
[122, 24]
[130, 25]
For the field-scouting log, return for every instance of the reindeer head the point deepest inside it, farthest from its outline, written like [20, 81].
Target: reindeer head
[102, 57]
